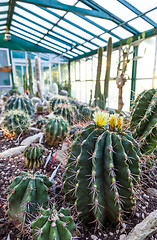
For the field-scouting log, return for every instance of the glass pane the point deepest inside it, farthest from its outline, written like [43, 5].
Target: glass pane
[3, 22]
[59, 12]
[106, 36]
[140, 24]
[55, 73]
[143, 5]
[77, 70]
[50, 48]
[82, 5]
[24, 33]
[88, 69]
[2, 27]
[4, 76]
[4, 8]
[98, 42]
[107, 24]
[55, 42]
[121, 32]
[19, 77]
[2, 16]
[26, 38]
[114, 63]
[46, 78]
[64, 73]
[52, 45]
[58, 36]
[72, 71]
[90, 45]
[67, 55]
[77, 51]
[82, 69]
[73, 54]
[152, 15]
[70, 2]
[143, 84]
[83, 48]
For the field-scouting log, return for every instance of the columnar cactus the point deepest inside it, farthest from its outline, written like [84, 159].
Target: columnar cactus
[68, 111]
[20, 103]
[53, 225]
[27, 193]
[101, 172]
[15, 122]
[57, 100]
[144, 120]
[55, 130]
[34, 155]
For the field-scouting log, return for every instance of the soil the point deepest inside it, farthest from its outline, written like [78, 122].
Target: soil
[13, 166]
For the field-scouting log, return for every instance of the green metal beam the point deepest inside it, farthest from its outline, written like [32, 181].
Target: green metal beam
[12, 4]
[148, 33]
[57, 5]
[133, 79]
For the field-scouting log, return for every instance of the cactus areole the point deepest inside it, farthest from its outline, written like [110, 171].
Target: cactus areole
[144, 120]
[102, 170]
[27, 193]
[53, 225]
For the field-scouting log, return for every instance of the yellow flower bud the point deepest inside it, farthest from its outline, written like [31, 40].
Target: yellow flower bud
[113, 121]
[120, 123]
[101, 118]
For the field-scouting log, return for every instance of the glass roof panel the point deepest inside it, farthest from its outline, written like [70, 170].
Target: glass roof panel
[57, 11]
[3, 16]
[50, 48]
[29, 24]
[83, 48]
[15, 24]
[77, 51]
[90, 45]
[3, 22]
[70, 2]
[73, 29]
[2, 31]
[103, 22]
[143, 5]
[140, 24]
[33, 18]
[4, 1]
[117, 9]
[106, 36]
[24, 33]
[67, 55]
[153, 15]
[83, 23]
[82, 5]
[26, 38]
[52, 45]
[121, 32]
[98, 42]
[54, 41]
[71, 53]
[4, 8]
[2, 27]
[69, 35]
[39, 11]
[62, 38]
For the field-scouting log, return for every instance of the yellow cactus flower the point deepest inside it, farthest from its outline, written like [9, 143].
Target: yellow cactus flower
[119, 123]
[101, 118]
[113, 121]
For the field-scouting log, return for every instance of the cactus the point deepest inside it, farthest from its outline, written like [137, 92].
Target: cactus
[69, 112]
[38, 77]
[15, 122]
[53, 224]
[40, 122]
[144, 120]
[30, 78]
[57, 100]
[108, 67]
[86, 113]
[55, 130]
[27, 193]
[74, 131]
[102, 169]
[20, 103]
[34, 155]
[39, 108]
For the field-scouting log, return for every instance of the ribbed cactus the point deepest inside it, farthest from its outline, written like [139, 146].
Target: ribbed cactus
[40, 122]
[34, 155]
[53, 224]
[20, 103]
[108, 67]
[144, 120]
[27, 192]
[30, 78]
[67, 111]
[57, 100]
[74, 131]
[39, 108]
[55, 130]
[15, 122]
[101, 171]
[86, 113]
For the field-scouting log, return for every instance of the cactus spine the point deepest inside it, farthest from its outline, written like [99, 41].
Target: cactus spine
[144, 120]
[53, 225]
[99, 175]
[55, 130]
[27, 193]
[108, 67]
[30, 78]
[34, 155]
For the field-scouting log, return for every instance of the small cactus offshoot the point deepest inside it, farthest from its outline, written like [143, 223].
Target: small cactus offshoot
[34, 155]
[40, 122]
[53, 224]
[57, 100]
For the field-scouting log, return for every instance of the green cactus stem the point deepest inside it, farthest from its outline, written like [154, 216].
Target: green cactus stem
[144, 120]
[57, 100]
[53, 224]
[30, 78]
[34, 155]
[27, 193]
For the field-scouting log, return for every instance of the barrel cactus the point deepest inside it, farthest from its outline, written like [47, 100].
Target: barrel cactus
[53, 224]
[20, 103]
[27, 193]
[34, 155]
[57, 100]
[102, 169]
[86, 113]
[68, 111]
[55, 130]
[74, 131]
[15, 122]
[144, 120]
[40, 122]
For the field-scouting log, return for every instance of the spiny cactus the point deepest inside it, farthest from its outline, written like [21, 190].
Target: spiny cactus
[55, 130]
[20, 103]
[101, 171]
[144, 120]
[30, 78]
[53, 224]
[15, 122]
[40, 122]
[86, 113]
[34, 155]
[57, 100]
[69, 112]
[39, 108]
[74, 131]
[27, 192]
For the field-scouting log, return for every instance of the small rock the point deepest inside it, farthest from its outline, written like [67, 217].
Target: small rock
[138, 215]
[152, 192]
[110, 233]
[143, 216]
[122, 236]
[145, 196]
[93, 237]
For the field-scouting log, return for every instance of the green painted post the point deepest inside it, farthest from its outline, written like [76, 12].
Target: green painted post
[11, 72]
[133, 79]
[69, 80]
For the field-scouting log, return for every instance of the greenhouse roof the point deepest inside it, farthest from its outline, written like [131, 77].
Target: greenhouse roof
[74, 28]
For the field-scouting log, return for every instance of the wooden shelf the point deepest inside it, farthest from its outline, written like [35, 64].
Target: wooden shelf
[5, 69]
